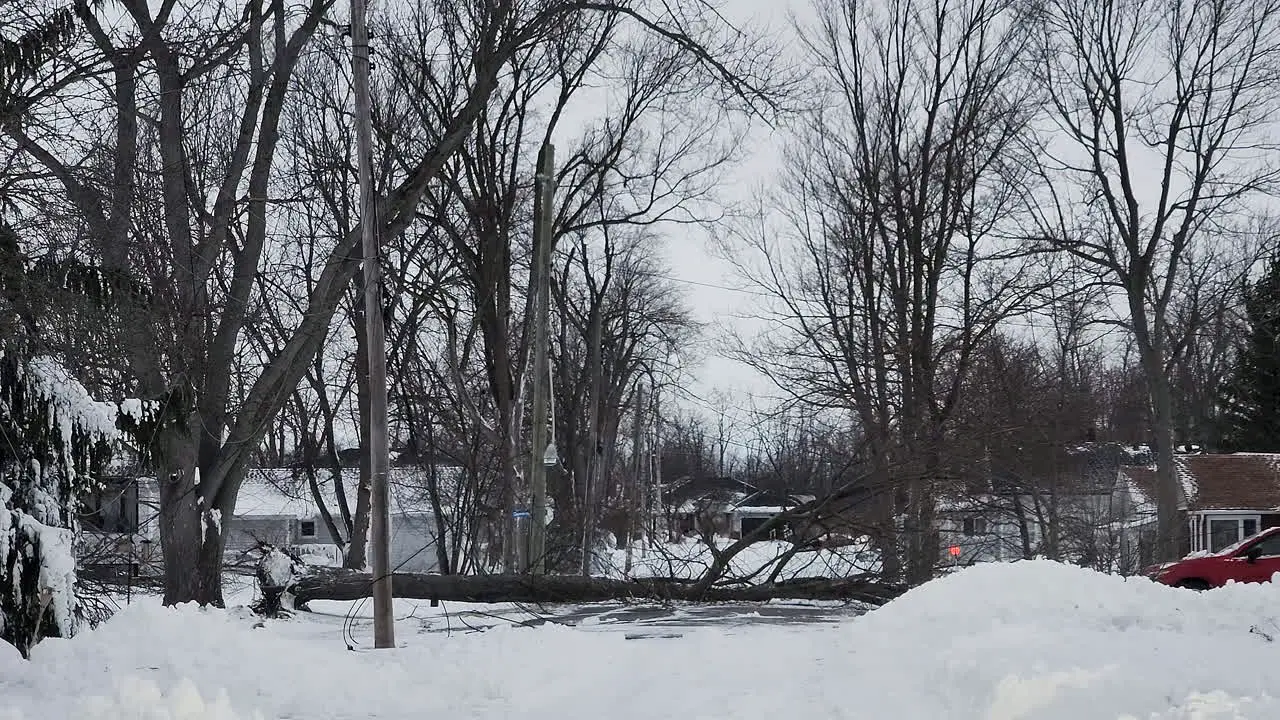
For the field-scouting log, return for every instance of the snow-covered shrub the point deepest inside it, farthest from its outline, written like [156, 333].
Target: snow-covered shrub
[55, 435]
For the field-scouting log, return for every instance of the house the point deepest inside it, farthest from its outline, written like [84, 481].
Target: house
[980, 527]
[762, 506]
[724, 506]
[119, 539]
[1225, 498]
[1065, 508]
[275, 505]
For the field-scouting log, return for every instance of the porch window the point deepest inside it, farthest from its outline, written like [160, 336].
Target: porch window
[308, 528]
[975, 526]
[1223, 532]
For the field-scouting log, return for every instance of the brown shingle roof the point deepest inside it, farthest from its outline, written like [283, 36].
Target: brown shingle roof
[1243, 481]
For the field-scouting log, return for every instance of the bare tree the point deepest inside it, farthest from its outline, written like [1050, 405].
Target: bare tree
[639, 163]
[1161, 132]
[620, 322]
[893, 259]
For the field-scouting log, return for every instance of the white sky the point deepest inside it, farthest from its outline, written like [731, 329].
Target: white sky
[708, 280]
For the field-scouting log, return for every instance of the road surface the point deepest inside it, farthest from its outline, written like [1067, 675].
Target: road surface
[646, 620]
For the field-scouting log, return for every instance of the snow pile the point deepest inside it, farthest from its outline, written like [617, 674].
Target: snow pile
[1026, 641]
[1040, 639]
[1216, 705]
[1035, 593]
[140, 699]
[10, 660]
[690, 559]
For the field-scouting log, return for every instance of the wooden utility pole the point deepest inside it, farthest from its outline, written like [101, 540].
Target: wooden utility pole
[384, 634]
[541, 447]
[654, 497]
[636, 495]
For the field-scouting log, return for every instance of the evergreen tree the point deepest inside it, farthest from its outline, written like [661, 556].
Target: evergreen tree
[1251, 408]
[31, 44]
[53, 439]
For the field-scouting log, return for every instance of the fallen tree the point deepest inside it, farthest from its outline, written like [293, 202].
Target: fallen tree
[336, 584]
[288, 584]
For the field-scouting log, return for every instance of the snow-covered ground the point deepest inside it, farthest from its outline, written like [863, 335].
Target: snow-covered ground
[1030, 640]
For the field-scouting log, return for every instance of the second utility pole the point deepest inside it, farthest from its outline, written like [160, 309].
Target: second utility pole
[539, 442]
[384, 633]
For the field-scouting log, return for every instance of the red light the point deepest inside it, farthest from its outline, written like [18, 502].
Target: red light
[954, 550]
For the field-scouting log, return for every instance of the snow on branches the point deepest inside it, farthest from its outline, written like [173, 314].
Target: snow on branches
[53, 435]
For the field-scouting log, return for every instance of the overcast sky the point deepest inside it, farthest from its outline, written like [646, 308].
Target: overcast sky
[707, 280]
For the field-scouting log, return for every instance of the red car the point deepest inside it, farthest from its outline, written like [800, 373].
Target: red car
[1254, 560]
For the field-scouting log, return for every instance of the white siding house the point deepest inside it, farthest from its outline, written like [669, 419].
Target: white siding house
[273, 506]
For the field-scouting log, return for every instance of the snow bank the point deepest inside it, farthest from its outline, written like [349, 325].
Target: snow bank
[1038, 639]
[139, 699]
[1027, 641]
[10, 660]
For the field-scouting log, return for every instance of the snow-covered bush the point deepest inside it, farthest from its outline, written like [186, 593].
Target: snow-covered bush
[55, 435]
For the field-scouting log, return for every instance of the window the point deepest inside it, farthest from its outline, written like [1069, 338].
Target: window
[308, 528]
[975, 526]
[1269, 547]
[1223, 534]
[113, 509]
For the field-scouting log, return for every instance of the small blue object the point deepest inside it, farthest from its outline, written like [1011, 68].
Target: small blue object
[520, 514]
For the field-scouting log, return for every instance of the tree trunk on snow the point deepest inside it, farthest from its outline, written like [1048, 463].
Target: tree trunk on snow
[325, 514]
[510, 481]
[330, 584]
[1024, 527]
[433, 494]
[592, 486]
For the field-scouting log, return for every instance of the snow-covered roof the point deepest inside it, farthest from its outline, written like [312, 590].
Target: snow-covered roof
[271, 492]
[756, 502]
[259, 498]
[760, 509]
[722, 503]
[1237, 481]
[977, 502]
